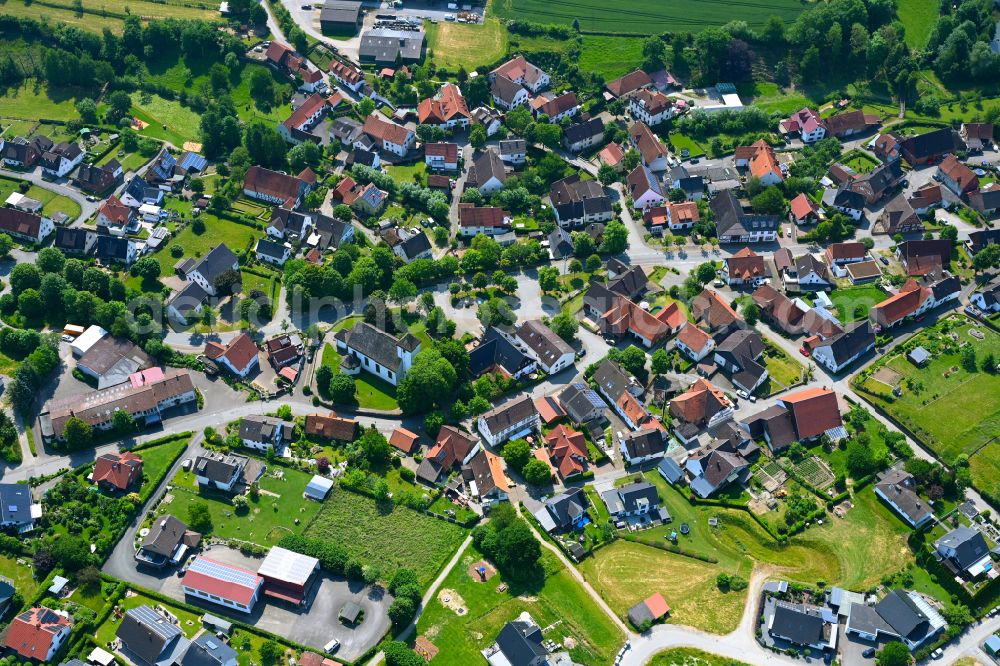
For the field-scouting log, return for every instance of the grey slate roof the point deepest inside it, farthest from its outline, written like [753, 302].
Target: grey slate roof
[583, 131]
[148, 636]
[567, 507]
[579, 400]
[164, 536]
[383, 45]
[375, 343]
[541, 340]
[521, 643]
[495, 349]
[207, 650]
[218, 260]
[269, 248]
[507, 415]
[796, 623]
[968, 544]
[15, 503]
[731, 220]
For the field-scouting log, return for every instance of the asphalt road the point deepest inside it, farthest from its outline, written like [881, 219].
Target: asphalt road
[59, 186]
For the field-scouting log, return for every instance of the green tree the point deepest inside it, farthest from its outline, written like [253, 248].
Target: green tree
[769, 202]
[660, 362]
[516, 453]
[77, 433]
[87, 110]
[607, 174]
[615, 238]
[342, 389]
[477, 136]
[261, 86]
[270, 653]
[366, 106]
[565, 326]
[894, 654]
[593, 263]
[123, 422]
[751, 313]
[536, 472]
[199, 518]
[50, 260]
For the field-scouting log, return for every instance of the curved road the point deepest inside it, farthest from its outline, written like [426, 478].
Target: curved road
[59, 186]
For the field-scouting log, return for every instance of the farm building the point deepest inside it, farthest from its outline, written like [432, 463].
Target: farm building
[223, 584]
[287, 575]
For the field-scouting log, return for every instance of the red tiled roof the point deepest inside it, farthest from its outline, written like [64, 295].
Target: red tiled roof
[683, 212]
[814, 411]
[632, 81]
[271, 183]
[116, 211]
[331, 427]
[764, 161]
[404, 440]
[309, 107]
[446, 151]
[836, 251]
[120, 470]
[240, 352]
[802, 207]
[549, 409]
[226, 589]
[901, 305]
[566, 446]
[701, 401]
[471, 216]
[959, 173]
[693, 337]
[448, 105]
[611, 154]
[31, 633]
[709, 307]
[657, 605]
[385, 131]
[745, 264]
[349, 74]
[277, 51]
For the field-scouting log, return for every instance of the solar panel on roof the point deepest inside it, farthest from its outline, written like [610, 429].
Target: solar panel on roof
[224, 572]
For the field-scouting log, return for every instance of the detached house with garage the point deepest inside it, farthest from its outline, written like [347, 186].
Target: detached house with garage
[441, 155]
[513, 151]
[487, 173]
[744, 267]
[272, 253]
[389, 136]
[694, 343]
[452, 449]
[703, 405]
[514, 419]
[839, 351]
[219, 260]
[18, 509]
[632, 500]
[806, 123]
[371, 349]
[523, 73]
[800, 416]
[38, 633]
[957, 177]
[642, 446]
[965, 552]
[898, 489]
[551, 352]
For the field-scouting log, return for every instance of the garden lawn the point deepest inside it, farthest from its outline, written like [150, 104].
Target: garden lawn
[854, 303]
[691, 657]
[625, 573]
[558, 601]
[190, 623]
[611, 57]
[950, 415]
[20, 575]
[218, 230]
[452, 45]
[279, 510]
[646, 17]
[409, 173]
[771, 98]
[985, 467]
[374, 392]
[34, 99]
[782, 370]
[51, 202]
[387, 537]
[682, 141]
[129, 161]
[167, 119]
[156, 462]
[918, 18]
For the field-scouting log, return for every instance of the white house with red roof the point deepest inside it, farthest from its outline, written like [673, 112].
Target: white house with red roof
[806, 123]
[240, 356]
[523, 73]
[38, 633]
[487, 221]
[223, 584]
[115, 218]
[391, 137]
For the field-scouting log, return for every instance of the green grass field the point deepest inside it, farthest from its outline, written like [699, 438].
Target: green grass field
[558, 604]
[692, 657]
[409, 173]
[452, 45]
[19, 575]
[918, 18]
[51, 202]
[98, 14]
[388, 539]
[279, 510]
[610, 57]
[371, 392]
[782, 369]
[34, 100]
[218, 230]
[854, 303]
[168, 119]
[985, 467]
[936, 408]
[645, 17]
[770, 97]
[681, 142]
[156, 461]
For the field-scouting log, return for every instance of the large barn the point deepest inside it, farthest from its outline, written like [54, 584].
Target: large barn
[287, 575]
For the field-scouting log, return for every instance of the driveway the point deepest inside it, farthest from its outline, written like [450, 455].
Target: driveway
[59, 186]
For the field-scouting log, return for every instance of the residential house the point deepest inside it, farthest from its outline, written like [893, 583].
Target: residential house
[898, 217]
[18, 510]
[921, 257]
[694, 343]
[840, 254]
[406, 441]
[441, 155]
[265, 433]
[60, 159]
[633, 500]
[809, 273]
[987, 298]
[878, 182]
[497, 353]
[138, 192]
[485, 478]
[409, 245]
[509, 421]
[966, 551]
[839, 351]
[346, 74]
[117, 472]
[980, 238]
[389, 136]
[240, 356]
[734, 225]
[583, 135]
[489, 118]
[331, 427]
[99, 179]
[551, 352]
[272, 253]
[508, 94]
[206, 650]
[25, 226]
[800, 416]
[898, 489]
[75, 241]
[986, 199]
[886, 147]
[902, 616]
[297, 127]
[38, 633]
[519, 643]
[219, 260]
[845, 200]
[806, 626]
[567, 450]
[612, 382]
[114, 250]
[806, 123]
[523, 73]
[761, 161]
[712, 311]
[672, 216]
[487, 173]
[513, 151]
[630, 83]
[330, 233]
[714, 467]
[365, 199]
[375, 351]
[560, 244]
[929, 147]
[21, 153]
[563, 511]
[850, 123]
[651, 150]
[957, 177]
[220, 471]
[556, 108]
[452, 448]
[864, 271]
[581, 403]
[651, 107]
[703, 405]
[803, 210]
[167, 542]
[149, 638]
[114, 217]
[578, 202]
[641, 446]
[613, 155]
[977, 136]
[275, 187]
[681, 179]
[286, 224]
[739, 355]
[744, 267]
[487, 221]
[447, 108]
[644, 188]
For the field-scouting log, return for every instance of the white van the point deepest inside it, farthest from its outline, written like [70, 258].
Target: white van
[332, 646]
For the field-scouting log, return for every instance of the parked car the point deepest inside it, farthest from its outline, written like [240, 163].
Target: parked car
[332, 646]
[937, 653]
[804, 351]
[869, 653]
[743, 394]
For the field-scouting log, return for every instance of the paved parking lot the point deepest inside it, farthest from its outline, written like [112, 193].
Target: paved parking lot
[312, 625]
